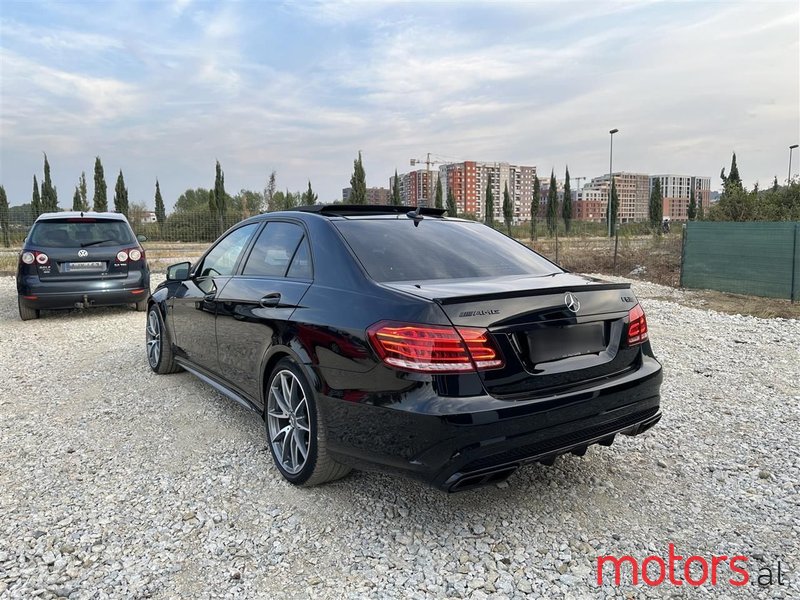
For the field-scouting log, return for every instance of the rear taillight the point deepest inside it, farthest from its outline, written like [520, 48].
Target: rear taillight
[434, 348]
[637, 326]
[29, 258]
[130, 254]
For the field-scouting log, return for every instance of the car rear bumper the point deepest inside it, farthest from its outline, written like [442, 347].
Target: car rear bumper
[476, 443]
[37, 294]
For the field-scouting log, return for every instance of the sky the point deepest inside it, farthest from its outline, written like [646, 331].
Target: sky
[163, 89]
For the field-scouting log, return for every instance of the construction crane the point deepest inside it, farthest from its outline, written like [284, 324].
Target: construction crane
[427, 162]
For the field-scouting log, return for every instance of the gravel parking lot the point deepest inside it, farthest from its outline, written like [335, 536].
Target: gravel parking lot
[118, 483]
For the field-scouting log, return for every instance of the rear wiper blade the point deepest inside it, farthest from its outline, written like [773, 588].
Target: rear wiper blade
[95, 243]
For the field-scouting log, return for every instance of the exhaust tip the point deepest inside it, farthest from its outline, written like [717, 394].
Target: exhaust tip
[471, 481]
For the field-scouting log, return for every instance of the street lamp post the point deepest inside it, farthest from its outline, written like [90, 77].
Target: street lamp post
[789, 179]
[610, 179]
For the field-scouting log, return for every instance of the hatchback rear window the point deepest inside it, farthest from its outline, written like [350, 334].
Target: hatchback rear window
[397, 250]
[73, 233]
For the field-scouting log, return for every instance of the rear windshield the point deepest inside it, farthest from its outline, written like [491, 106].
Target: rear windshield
[73, 233]
[396, 250]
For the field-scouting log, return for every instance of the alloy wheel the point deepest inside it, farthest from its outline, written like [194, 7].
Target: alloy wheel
[153, 339]
[288, 423]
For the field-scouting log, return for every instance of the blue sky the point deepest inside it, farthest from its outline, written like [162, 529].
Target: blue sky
[162, 89]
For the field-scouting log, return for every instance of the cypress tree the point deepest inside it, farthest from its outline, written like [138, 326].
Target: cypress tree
[161, 215]
[269, 192]
[121, 195]
[566, 207]
[552, 204]
[100, 202]
[358, 182]
[508, 209]
[489, 205]
[218, 201]
[76, 200]
[396, 201]
[4, 217]
[537, 194]
[49, 196]
[692, 212]
[452, 209]
[614, 206]
[701, 214]
[656, 207]
[36, 201]
[309, 197]
[775, 184]
[83, 192]
[438, 203]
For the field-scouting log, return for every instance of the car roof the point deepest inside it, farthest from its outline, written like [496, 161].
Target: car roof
[74, 214]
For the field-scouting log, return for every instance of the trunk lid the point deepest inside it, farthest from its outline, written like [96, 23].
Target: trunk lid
[557, 333]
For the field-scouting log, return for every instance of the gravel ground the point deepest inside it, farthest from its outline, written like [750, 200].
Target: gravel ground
[118, 483]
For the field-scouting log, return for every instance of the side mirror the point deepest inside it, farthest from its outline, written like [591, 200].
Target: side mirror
[141, 238]
[179, 271]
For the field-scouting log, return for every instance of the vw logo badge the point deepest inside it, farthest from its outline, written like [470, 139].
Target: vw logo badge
[572, 302]
[83, 253]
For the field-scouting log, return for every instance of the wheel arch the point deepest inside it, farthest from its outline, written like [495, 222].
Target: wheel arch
[274, 355]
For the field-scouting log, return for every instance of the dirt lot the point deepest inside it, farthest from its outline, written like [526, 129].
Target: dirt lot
[118, 483]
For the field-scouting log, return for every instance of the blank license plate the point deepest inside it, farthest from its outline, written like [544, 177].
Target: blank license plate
[96, 265]
[553, 343]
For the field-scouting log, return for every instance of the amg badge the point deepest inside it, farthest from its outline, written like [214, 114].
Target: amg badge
[479, 313]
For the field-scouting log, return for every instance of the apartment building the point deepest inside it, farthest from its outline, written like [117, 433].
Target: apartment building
[375, 195]
[590, 205]
[416, 189]
[633, 191]
[469, 180]
[676, 193]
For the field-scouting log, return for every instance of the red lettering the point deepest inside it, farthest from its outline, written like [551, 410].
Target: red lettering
[687, 574]
[743, 572]
[661, 570]
[715, 561]
[617, 562]
[672, 559]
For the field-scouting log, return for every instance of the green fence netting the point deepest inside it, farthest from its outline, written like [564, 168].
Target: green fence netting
[754, 258]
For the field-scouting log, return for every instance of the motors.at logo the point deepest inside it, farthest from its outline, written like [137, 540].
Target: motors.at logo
[694, 570]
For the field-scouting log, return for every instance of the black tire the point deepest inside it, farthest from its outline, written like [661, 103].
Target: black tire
[25, 313]
[317, 467]
[158, 345]
[141, 306]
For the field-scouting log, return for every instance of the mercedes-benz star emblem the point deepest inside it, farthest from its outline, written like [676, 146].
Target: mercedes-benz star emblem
[83, 253]
[572, 302]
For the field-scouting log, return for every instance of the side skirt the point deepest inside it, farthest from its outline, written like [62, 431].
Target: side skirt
[221, 388]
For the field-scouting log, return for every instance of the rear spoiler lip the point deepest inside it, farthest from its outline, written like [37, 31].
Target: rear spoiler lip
[590, 287]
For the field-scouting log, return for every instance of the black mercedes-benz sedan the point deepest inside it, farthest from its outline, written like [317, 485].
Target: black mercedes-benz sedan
[398, 339]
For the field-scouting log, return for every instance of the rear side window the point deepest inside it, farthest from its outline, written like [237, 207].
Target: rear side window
[396, 250]
[81, 232]
[281, 250]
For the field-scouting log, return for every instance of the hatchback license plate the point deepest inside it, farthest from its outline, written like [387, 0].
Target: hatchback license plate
[85, 266]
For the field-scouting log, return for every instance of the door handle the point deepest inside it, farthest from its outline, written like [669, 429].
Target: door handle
[270, 300]
[210, 297]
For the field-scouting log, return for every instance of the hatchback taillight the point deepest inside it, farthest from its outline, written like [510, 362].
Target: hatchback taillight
[434, 348]
[130, 254]
[637, 326]
[29, 258]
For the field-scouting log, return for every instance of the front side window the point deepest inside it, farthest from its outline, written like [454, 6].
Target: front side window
[281, 250]
[221, 260]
